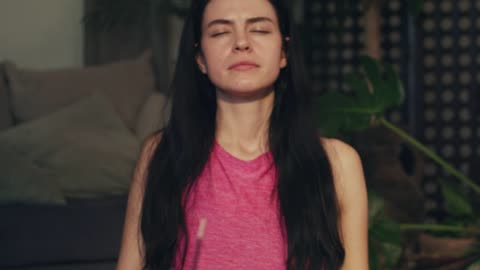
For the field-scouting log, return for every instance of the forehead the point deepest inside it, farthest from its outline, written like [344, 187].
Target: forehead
[238, 10]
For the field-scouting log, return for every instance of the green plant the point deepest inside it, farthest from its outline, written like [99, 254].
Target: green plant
[375, 90]
[384, 233]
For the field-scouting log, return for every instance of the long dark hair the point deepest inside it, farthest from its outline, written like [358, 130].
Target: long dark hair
[305, 187]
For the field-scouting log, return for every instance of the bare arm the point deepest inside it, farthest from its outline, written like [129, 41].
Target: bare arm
[131, 257]
[352, 195]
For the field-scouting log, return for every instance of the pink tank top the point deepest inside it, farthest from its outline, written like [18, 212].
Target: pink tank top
[243, 229]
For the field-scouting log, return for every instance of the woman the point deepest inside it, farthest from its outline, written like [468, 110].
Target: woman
[240, 150]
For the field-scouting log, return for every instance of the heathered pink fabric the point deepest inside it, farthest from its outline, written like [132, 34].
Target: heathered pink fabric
[243, 229]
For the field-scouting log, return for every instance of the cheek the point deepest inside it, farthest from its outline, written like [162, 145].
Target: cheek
[274, 58]
[270, 51]
[213, 58]
[214, 65]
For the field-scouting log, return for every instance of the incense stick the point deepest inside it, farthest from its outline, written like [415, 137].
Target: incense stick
[198, 244]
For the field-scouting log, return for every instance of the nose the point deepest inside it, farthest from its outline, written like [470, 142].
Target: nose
[241, 43]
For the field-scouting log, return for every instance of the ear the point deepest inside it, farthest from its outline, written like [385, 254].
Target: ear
[283, 59]
[201, 63]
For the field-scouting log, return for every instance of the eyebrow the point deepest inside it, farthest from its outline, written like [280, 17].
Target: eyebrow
[249, 21]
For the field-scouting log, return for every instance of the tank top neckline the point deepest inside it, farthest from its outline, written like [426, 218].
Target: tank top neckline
[227, 155]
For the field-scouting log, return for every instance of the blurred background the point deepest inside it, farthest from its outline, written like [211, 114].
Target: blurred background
[83, 83]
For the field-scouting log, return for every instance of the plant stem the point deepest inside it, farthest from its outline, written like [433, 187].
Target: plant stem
[440, 161]
[431, 227]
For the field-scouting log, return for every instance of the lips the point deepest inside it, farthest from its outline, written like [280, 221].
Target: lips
[243, 65]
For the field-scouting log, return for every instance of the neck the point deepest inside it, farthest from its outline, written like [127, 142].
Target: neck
[242, 125]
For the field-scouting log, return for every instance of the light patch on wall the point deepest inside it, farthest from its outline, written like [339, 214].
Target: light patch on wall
[41, 34]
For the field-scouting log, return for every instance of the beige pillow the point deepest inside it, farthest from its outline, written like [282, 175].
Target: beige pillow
[85, 145]
[36, 93]
[153, 115]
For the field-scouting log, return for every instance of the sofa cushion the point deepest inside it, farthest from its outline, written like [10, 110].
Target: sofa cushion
[36, 93]
[85, 144]
[22, 181]
[5, 113]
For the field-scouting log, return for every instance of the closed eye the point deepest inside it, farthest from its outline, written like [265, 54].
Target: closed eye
[219, 34]
[261, 31]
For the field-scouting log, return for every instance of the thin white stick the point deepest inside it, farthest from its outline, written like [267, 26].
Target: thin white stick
[200, 234]
[201, 228]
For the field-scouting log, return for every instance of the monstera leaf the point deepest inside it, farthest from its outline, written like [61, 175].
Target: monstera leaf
[385, 244]
[456, 203]
[375, 90]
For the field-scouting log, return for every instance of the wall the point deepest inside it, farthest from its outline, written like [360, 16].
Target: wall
[41, 34]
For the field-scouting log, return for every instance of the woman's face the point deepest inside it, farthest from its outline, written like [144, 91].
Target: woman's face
[241, 46]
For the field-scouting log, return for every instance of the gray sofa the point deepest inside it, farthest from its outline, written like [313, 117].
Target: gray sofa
[74, 135]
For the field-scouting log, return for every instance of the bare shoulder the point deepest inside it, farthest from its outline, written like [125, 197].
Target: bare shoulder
[131, 250]
[346, 166]
[150, 143]
[353, 201]
[147, 151]
[339, 152]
